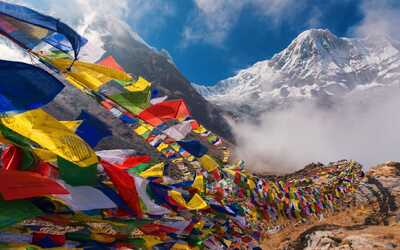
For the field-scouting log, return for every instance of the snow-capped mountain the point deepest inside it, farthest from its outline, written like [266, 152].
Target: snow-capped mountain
[317, 64]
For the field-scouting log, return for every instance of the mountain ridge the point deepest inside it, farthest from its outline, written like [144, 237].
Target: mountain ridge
[317, 64]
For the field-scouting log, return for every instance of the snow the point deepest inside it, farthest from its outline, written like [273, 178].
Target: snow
[316, 63]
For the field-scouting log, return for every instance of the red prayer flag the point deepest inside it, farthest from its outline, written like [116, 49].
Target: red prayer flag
[165, 111]
[11, 157]
[47, 170]
[23, 184]
[125, 185]
[48, 240]
[156, 229]
[195, 124]
[133, 161]
[107, 105]
[110, 62]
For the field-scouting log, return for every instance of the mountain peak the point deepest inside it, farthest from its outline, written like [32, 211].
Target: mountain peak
[315, 35]
[316, 64]
[310, 47]
[316, 39]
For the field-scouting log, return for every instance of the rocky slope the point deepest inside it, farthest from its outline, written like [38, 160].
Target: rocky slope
[139, 58]
[371, 221]
[317, 64]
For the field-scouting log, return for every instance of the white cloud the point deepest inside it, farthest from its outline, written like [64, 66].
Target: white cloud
[363, 127]
[113, 15]
[381, 17]
[213, 20]
[11, 52]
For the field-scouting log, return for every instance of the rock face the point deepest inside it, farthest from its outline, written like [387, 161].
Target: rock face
[372, 221]
[317, 64]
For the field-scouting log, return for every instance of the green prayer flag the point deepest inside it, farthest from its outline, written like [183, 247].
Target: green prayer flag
[138, 243]
[139, 168]
[29, 161]
[28, 158]
[82, 235]
[75, 175]
[134, 102]
[12, 212]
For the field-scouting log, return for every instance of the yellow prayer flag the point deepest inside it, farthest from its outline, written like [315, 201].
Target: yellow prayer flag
[103, 238]
[44, 154]
[151, 241]
[162, 146]
[200, 130]
[154, 171]
[198, 183]
[97, 69]
[253, 213]
[251, 184]
[148, 126]
[88, 75]
[86, 79]
[175, 147]
[45, 130]
[227, 242]
[141, 130]
[195, 203]
[181, 246]
[72, 125]
[230, 171]
[199, 225]
[208, 163]
[140, 85]
[177, 197]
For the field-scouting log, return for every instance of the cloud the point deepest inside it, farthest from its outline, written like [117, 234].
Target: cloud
[381, 17]
[116, 16]
[12, 53]
[212, 20]
[363, 127]
[137, 12]
[315, 18]
[143, 15]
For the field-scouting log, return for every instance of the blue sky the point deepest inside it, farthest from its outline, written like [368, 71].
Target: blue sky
[209, 40]
[252, 37]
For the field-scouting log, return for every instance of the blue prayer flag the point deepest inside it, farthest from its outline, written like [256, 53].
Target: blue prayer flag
[92, 130]
[28, 28]
[194, 147]
[24, 87]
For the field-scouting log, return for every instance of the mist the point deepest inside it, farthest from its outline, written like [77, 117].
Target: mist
[364, 126]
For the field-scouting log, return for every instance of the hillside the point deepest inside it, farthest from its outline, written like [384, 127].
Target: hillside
[370, 220]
